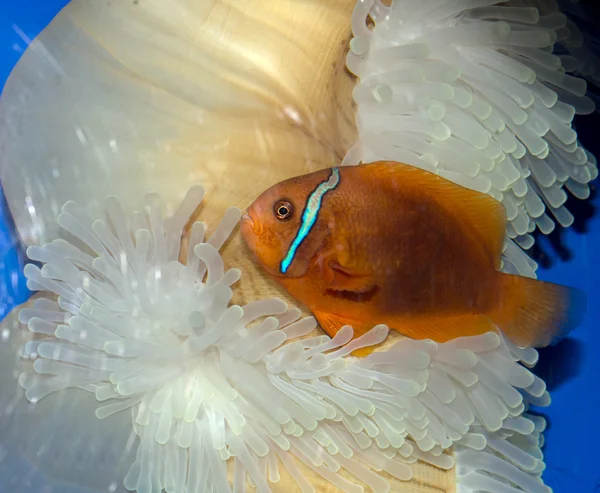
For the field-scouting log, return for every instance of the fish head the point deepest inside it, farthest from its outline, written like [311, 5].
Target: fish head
[288, 224]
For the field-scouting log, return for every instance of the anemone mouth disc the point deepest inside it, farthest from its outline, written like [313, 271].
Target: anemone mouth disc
[154, 338]
[220, 92]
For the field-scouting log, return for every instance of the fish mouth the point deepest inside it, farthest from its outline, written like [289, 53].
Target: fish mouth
[247, 219]
[248, 224]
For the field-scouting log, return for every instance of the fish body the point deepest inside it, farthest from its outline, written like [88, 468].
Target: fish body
[390, 243]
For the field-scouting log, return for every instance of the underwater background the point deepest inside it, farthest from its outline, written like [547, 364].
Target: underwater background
[571, 369]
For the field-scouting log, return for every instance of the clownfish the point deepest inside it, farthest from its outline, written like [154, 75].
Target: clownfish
[388, 243]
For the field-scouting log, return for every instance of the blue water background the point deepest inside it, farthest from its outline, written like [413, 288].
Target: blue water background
[571, 369]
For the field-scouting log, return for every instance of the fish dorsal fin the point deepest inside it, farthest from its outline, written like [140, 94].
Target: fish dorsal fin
[481, 214]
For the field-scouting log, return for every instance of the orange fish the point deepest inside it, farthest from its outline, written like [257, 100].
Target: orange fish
[390, 243]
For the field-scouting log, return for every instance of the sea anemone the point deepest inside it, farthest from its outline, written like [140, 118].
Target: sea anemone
[472, 91]
[200, 380]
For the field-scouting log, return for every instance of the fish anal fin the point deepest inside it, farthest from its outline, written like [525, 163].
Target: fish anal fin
[480, 213]
[331, 324]
[444, 328]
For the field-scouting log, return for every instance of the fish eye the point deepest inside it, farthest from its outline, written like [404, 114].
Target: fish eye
[283, 210]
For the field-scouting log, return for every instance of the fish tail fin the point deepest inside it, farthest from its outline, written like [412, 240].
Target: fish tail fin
[534, 313]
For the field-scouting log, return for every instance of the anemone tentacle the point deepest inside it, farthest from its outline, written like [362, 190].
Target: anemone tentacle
[471, 90]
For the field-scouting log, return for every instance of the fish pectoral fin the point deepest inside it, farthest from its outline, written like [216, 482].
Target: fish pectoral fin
[331, 324]
[342, 278]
